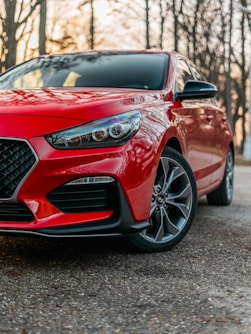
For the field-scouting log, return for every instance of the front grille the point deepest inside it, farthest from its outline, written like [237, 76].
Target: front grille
[85, 198]
[16, 160]
[15, 212]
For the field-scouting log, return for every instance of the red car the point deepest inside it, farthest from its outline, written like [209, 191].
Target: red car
[110, 144]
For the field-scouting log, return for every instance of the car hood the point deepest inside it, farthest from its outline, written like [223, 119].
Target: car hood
[59, 102]
[26, 113]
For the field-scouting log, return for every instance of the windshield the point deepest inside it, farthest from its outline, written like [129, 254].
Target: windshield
[121, 70]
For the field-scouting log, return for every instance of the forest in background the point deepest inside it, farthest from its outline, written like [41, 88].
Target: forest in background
[214, 34]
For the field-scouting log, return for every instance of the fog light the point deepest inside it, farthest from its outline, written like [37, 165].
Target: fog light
[92, 180]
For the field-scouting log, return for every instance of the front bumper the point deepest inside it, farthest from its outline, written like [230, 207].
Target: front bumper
[37, 205]
[121, 223]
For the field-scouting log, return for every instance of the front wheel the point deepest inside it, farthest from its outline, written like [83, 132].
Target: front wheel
[174, 201]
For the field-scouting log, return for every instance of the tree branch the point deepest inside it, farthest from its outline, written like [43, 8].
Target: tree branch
[32, 8]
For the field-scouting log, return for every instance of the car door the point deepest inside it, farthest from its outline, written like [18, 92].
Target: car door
[220, 147]
[219, 120]
[195, 121]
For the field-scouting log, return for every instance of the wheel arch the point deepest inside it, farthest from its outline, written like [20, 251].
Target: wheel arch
[173, 205]
[231, 145]
[174, 143]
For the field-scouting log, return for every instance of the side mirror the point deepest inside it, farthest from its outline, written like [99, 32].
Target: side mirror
[194, 89]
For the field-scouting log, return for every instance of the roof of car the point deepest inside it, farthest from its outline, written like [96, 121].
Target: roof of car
[150, 51]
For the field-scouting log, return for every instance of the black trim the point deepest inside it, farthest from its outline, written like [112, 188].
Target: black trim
[116, 226]
[80, 198]
[15, 213]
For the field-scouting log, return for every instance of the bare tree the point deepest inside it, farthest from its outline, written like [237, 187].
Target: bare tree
[42, 27]
[14, 16]
[92, 26]
[177, 11]
[228, 71]
[147, 24]
[91, 38]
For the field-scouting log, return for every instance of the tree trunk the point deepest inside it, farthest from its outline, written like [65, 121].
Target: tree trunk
[175, 27]
[162, 21]
[9, 31]
[148, 46]
[92, 28]
[42, 27]
[229, 79]
[243, 81]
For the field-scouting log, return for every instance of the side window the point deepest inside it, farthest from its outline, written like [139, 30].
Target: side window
[183, 74]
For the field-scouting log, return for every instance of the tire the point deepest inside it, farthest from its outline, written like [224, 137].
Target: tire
[173, 206]
[223, 195]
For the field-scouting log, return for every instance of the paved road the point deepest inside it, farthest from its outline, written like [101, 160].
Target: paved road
[96, 286]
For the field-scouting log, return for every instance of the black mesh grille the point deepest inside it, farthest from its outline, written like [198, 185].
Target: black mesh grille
[16, 159]
[85, 198]
[15, 212]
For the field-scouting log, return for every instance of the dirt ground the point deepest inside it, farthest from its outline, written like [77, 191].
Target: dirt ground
[98, 286]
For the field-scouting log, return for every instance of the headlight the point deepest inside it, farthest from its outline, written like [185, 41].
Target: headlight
[111, 131]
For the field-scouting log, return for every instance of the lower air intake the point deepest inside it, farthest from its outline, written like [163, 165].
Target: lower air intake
[85, 198]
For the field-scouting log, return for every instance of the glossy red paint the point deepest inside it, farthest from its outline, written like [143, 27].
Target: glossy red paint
[32, 114]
